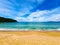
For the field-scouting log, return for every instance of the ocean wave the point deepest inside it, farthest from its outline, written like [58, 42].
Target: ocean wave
[58, 29]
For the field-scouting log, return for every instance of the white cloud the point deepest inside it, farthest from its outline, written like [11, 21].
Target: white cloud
[7, 13]
[8, 9]
[54, 17]
[40, 16]
[38, 13]
[14, 9]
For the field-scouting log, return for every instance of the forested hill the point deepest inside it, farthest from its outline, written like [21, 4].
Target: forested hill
[2, 19]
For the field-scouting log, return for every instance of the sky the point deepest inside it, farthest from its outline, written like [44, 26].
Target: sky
[30, 10]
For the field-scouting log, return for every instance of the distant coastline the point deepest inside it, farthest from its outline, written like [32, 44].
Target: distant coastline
[2, 19]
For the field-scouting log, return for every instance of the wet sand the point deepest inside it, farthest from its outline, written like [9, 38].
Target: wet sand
[29, 37]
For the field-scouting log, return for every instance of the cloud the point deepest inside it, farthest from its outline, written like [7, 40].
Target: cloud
[34, 16]
[41, 16]
[55, 17]
[18, 9]
[7, 13]
[15, 8]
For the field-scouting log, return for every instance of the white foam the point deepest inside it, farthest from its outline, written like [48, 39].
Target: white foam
[7, 29]
[58, 29]
[28, 29]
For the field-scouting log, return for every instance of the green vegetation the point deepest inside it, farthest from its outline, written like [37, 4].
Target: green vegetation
[2, 19]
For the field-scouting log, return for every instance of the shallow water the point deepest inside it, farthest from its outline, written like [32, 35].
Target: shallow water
[31, 25]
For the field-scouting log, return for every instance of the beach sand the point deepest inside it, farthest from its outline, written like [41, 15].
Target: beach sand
[29, 38]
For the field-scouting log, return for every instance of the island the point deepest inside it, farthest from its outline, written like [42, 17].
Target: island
[2, 19]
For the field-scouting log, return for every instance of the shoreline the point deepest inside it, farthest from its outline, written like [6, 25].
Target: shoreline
[7, 29]
[14, 29]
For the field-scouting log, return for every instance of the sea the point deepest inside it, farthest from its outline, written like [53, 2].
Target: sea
[30, 26]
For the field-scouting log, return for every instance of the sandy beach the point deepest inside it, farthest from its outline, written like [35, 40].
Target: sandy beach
[29, 38]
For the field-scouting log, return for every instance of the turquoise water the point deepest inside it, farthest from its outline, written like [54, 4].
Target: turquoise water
[31, 25]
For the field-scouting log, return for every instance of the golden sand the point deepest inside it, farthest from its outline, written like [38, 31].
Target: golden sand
[29, 38]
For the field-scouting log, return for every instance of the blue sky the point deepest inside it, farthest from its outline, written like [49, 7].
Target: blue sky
[30, 10]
